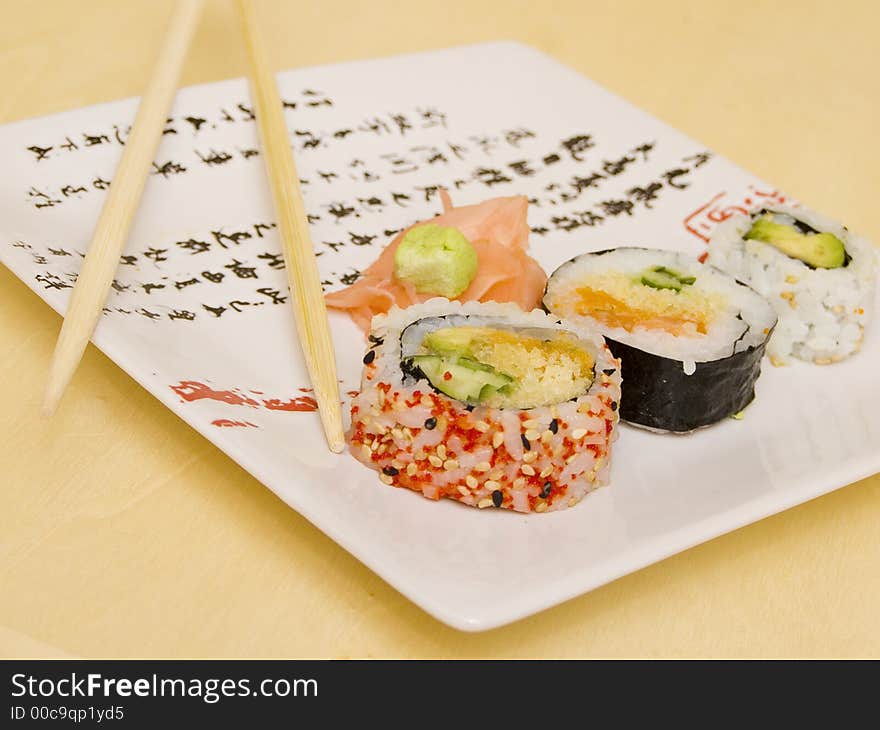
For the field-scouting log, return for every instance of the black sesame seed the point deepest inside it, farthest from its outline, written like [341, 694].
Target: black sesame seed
[527, 445]
[609, 371]
[369, 357]
[376, 340]
[497, 498]
[614, 405]
[390, 471]
[431, 423]
[469, 408]
[545, 492]
[554, 426]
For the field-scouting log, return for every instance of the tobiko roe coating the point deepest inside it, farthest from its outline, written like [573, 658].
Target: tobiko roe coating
[487, 405]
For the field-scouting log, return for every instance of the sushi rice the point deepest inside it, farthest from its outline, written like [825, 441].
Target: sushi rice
[822, 312]
[527, 459]
[738, 319]
[689, 336]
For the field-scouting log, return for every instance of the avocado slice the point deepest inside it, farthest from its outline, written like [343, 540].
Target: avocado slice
[817, 250]
[461, 378]
[449, 341]
[660, 277]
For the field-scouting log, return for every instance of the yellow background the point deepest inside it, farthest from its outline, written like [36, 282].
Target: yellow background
[124, 533]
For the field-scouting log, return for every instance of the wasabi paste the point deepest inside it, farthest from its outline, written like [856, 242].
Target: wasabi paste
[436, 260]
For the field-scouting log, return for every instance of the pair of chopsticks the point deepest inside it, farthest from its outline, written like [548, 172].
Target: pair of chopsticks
[114, 222]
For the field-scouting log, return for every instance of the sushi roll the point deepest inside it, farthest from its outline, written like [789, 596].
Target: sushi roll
[818, 276]
[690, 338]
[487, 405]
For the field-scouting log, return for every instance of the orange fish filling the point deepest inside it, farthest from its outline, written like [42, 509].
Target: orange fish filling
[614, 312]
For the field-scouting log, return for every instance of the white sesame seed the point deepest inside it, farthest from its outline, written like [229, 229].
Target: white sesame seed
[546, 436]
[420, 456]
[546, 472]
[397, 464]
[570, 459]
[463, 491]
[471, 481]
[386, 479]
[483, 466]
[435, 461]
[532, 435]
[519, 483]
[450, 464]
[529, 456]
[531, 423]
[397, 433]
[527, 470]
[541, 507]
[579, 433]
[441, 451]
[497, 439]
[481, 426]
[573, 501]
[496, 474]
[492, 485]
[366, 451]
[483, 503]
[411, 469]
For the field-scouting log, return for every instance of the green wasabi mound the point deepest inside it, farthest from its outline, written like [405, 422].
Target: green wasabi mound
[436, 260]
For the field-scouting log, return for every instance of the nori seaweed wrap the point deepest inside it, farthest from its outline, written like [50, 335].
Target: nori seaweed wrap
[690, 338]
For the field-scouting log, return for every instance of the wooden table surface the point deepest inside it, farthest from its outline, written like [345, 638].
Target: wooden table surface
[124, 533]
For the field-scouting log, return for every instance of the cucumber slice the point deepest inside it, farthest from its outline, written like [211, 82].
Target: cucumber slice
[461, 378]
[661, 280]
[471, 364]
[660, 277]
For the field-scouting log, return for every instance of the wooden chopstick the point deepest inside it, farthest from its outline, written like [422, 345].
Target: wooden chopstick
[306, 295]
[111, 231]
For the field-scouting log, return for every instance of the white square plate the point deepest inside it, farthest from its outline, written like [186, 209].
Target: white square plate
[196, 314]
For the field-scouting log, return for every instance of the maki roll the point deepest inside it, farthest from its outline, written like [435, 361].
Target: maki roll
[690, 338]
[487, 405]
[818, 276]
